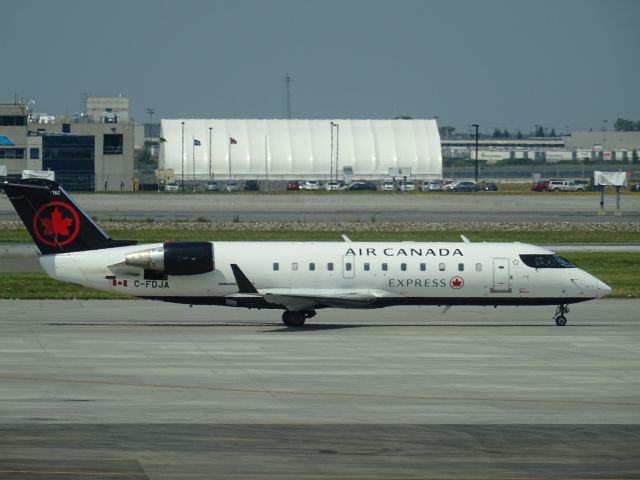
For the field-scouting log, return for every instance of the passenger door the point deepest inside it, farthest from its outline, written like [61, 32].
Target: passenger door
[501, 276]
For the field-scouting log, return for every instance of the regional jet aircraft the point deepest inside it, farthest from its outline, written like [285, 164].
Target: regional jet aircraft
[297, 277]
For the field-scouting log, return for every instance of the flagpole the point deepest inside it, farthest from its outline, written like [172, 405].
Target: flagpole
[266, 165]
[229, 157]
[193, 161]
[210, 171]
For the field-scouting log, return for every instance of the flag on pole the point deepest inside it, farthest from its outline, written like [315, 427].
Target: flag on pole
[196, 143]
[232, 141]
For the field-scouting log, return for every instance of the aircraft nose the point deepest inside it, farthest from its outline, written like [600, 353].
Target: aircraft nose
[603, 289]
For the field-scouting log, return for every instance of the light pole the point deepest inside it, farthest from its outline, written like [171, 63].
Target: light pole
[331, 156]
[476, 126]
[210, 161]
[182, 158]
[333, 124]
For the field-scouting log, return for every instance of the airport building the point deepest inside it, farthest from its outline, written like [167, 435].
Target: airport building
[339, 149]
[90, 151]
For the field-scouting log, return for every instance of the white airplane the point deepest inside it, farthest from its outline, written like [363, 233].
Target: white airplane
[297, 277]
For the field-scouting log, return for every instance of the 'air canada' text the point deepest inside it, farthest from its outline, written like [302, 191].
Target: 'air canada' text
[405, 252]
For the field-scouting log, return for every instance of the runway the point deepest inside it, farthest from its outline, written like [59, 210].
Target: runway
[136, 389]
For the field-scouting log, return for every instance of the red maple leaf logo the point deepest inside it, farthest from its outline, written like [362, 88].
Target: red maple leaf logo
[456, 282]
[56, 224]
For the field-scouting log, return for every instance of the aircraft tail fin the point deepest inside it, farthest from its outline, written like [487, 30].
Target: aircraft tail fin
[55, 222]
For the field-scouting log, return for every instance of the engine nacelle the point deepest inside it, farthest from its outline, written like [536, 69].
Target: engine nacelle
[175, 258]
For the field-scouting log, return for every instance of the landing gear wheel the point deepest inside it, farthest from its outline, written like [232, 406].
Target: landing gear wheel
[293, 318]
[559, 316]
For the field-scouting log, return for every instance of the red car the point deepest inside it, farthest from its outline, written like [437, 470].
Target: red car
[540, 186]
[293, 185]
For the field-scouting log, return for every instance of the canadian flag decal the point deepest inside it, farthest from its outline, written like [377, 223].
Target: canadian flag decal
[119, 283]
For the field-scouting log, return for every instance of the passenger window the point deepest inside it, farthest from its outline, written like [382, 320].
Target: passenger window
[423, 267]
[461, 267]
[312, 267]
[366, 267]
[347, 266]
[330, 267]
[294, 266]
[441, 267]
[478, 267]
[403, 267]
[385, 267]
[276, 266]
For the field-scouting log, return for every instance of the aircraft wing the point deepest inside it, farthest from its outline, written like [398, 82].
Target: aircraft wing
[306, 299]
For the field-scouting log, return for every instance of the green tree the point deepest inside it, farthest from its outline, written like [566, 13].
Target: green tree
[624, 125]
[553, 133]
[496, 133]
[634, 156]
[519, 135]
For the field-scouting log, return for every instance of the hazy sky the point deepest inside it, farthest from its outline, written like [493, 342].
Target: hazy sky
[500, 63]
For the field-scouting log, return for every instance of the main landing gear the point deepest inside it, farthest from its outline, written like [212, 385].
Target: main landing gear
[559, 316]
[296, 318]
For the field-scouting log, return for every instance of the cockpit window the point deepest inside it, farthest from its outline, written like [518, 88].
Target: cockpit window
[546, 261]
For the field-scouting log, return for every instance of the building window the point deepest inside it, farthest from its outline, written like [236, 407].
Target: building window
[366, 267]
[330, 267]
[276, 266]
[423, 267]
[12, 153]
[112, 144]
[34, 154]
[312, 267]
[13, 120]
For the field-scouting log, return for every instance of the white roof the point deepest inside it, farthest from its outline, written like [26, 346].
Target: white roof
[298, 148]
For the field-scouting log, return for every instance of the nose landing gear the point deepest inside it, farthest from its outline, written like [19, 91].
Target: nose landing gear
[296, 318]
[559, 316]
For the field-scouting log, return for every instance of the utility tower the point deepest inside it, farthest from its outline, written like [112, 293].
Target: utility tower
[287, 96]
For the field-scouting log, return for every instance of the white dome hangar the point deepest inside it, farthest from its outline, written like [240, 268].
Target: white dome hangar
[300, 149]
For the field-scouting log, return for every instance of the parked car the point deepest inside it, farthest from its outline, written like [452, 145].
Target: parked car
[360, 185]
[387, 186]
[432, 186]
[293, 185]
[540, 186]
[311, 185]
[489, 186]
[172, 187]
[232, 186]
[408, 186]
[212, 186]
[251, 185]
[332, 186]
[462, 186]
[564, 186]
[635, 188]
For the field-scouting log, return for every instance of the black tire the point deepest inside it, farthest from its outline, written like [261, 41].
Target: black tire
[293, 319]
[561, 320]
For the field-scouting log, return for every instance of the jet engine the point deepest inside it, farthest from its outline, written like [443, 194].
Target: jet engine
[175, 258]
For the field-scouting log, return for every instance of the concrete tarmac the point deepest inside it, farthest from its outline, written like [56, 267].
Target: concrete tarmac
[137, 389]
[349, 207]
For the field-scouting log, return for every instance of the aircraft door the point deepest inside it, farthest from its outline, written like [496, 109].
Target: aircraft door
[501, 276]
[348, 266]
